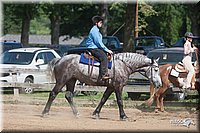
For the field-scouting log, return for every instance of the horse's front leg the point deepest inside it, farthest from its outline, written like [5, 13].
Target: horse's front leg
[104, 98]
[118, 93]
[157, 96]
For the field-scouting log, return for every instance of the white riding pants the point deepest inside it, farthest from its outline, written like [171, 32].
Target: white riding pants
[187, 61]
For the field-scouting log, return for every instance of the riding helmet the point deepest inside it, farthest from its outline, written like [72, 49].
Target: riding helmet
[189, 34]
[96, 19]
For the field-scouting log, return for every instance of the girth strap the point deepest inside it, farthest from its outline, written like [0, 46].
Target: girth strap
[89, 58]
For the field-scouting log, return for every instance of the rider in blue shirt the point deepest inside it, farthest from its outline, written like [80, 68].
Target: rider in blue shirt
[97, 48]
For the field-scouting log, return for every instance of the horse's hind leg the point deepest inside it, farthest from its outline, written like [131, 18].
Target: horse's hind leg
[57, 88]
[104, 98]
[69, 95]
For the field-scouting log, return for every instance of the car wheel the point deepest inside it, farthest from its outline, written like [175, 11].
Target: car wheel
[134, 95]
[180, 96]
[27, 90]
[175, 96]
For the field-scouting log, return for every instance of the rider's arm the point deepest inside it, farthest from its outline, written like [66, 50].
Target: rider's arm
[98, 40]
[187, 48]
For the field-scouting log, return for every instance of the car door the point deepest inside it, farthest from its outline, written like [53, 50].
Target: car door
[46, 57]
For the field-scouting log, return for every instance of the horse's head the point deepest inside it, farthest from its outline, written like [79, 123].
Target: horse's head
[153, 73]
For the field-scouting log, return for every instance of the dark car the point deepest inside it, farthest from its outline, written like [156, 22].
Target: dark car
[111, 42]
[9, 44]
[169, 55]
[144, 44]
[181, 41]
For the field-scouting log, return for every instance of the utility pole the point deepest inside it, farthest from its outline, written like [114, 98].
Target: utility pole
[136, 19]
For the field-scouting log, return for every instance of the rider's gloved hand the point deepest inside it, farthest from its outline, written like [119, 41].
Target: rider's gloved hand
[110, 52]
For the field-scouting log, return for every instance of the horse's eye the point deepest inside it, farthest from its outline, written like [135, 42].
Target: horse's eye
[156, 69]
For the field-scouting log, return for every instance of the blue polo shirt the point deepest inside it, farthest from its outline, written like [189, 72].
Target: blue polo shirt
[95, 39]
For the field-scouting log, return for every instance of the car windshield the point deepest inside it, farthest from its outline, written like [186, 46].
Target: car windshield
[196, 41]
[145, 42]
[171, 58]
[21, 58]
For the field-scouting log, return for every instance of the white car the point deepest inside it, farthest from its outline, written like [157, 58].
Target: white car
[27, 58]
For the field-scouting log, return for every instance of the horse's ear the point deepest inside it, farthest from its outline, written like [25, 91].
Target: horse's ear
[152, 60]
[157, 59]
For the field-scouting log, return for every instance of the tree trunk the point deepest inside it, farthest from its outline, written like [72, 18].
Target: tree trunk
[194, 17]
[25, 31]
[129, 28]
[55, 29]
[26, 26]
[104, 11]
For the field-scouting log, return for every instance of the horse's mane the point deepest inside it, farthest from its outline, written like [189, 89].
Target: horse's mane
[132, 58]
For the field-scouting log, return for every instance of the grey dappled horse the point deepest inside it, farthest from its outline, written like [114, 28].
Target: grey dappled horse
[68, 70]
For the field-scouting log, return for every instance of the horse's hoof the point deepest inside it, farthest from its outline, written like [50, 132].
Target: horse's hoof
[156, 111]
[123, 118]
[77, 115]
[95, 116]
[163, 111]
[44, 114]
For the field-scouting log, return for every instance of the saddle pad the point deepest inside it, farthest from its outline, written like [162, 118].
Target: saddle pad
[85, 60]
[174, 73]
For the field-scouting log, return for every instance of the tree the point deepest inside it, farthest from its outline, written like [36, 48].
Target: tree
[129, 27]
[194, 15]
[29, 11]
[11, 22]
[25, 13]
[53, 11]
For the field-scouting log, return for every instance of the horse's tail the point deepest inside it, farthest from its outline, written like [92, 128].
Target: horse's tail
[50, 68]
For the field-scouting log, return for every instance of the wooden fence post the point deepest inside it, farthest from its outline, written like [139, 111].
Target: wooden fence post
[16, 89]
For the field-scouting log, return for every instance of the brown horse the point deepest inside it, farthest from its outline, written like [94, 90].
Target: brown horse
[172, 75]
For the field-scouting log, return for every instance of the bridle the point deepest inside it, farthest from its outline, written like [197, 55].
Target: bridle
[149, 70]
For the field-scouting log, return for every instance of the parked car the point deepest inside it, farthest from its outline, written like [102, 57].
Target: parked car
[181, 41]
[111, 42]
[166, 56]
[27, 58]
[144, 44]
[9, 44]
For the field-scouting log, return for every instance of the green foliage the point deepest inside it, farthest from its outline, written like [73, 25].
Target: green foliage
[11, 23]
[40, 25]
[170, 21]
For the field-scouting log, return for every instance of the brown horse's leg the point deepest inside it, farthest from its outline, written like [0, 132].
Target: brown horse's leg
[162, 94]
[152, 95]
[104, 98]
[193, 81]
[69, 95]
[118, 93]
[161, 104]
[52, 96]
[157, 96]
[157, 103]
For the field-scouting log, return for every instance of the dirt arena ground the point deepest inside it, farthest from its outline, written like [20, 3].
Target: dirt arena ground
[26, 116]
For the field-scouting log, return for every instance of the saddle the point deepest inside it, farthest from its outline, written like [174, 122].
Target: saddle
[180, 67]
[179, 71]
[90, 60]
